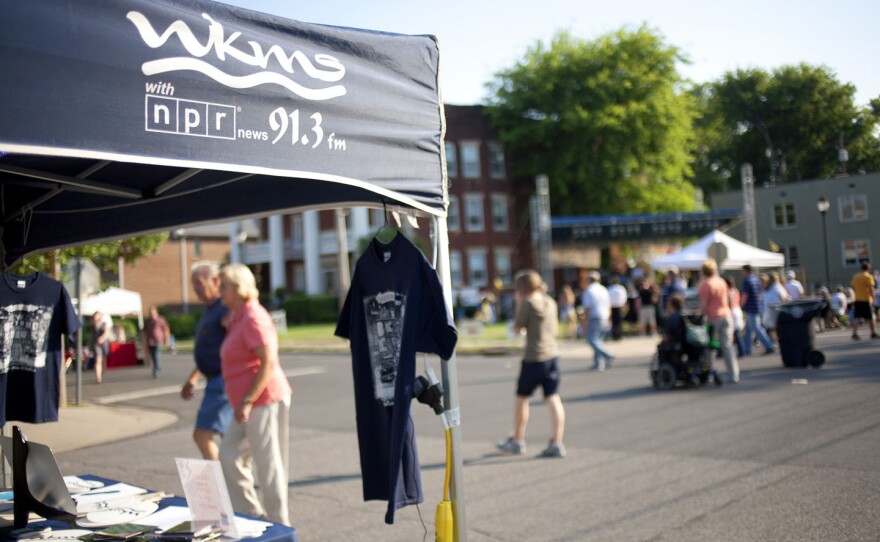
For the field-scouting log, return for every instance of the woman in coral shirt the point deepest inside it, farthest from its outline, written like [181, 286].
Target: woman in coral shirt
[257, 442]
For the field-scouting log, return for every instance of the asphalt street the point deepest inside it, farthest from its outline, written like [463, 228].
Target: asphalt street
[785, 455]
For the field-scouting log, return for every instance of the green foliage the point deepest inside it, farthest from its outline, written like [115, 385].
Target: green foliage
[301, 309]
[606, 121]
[787, 123]
[183, 326]
[104, 255]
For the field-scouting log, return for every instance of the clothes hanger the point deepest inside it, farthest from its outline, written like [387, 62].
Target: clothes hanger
[386, 226]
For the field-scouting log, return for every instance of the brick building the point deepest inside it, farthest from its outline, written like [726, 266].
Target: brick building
[488, 231]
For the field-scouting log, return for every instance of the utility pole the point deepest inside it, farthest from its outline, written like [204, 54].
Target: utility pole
[748, 182]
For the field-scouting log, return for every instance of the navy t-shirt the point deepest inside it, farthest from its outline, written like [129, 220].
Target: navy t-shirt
[394, 308]
[209, 336]
[35, 311]
[752, 288]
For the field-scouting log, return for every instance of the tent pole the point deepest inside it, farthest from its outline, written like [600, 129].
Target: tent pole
[450, 390]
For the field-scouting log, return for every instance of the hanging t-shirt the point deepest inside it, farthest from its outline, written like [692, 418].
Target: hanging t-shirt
[394, 308]
[35, 311]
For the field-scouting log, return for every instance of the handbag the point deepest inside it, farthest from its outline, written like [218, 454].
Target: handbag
[696, 335]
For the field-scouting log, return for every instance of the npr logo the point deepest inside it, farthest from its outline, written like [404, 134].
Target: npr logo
[188, 117]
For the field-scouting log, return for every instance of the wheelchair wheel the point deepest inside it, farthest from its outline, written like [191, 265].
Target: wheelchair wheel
[665, 376]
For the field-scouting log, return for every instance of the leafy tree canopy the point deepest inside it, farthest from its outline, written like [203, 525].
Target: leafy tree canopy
[789, 124]
[606, 120]
[104, 255]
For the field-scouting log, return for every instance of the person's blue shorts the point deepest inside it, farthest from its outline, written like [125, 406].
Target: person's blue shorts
[215, 414]
[538, 373]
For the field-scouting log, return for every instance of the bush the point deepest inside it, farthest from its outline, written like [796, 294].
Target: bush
[319, 309]
[183, 326]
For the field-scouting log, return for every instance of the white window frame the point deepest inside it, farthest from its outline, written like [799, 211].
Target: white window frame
[500, 222]
[497, 167]
[850, 246]
[846, 206]
[453, 214]
[475, 201]
[502, 254]
[792, 262]
[451, 159]
[786, 224]
[473, 255]
[470, 165]
[455, 268]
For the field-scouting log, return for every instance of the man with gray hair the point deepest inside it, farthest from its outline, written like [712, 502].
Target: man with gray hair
[597, 312]
[215, 412]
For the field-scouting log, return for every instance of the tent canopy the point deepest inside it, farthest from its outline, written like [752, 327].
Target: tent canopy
[115, 302]
[738, 254]
[135, 116]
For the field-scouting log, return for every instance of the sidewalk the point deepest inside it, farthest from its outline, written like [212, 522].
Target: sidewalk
[89, 424]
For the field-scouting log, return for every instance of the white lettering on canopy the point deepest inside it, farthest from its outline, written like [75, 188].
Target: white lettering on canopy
[328, 68]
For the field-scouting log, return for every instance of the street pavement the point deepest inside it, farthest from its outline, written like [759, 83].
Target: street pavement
[787, 454]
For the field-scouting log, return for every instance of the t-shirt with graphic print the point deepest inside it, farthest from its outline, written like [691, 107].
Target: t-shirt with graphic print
[394, 308]
[35, 311]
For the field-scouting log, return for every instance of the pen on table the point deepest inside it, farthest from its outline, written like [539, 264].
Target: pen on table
[101, 492]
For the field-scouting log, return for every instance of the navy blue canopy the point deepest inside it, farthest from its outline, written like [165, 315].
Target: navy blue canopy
[132, 116]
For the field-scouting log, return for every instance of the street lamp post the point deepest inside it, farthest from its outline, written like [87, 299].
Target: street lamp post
[822, 205]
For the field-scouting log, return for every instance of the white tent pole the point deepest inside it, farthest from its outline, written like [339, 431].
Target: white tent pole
[450, 390]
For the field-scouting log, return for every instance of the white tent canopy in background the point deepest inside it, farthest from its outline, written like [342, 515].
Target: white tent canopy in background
[115, 302]
[738, 254]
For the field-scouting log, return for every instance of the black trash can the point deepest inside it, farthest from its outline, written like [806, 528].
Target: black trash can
[797, 335]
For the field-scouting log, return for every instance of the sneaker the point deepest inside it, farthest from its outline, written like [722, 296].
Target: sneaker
[856, 337]
[874, 335]
[599, 367]
[554, 450]
[769, 351]
[511, 446]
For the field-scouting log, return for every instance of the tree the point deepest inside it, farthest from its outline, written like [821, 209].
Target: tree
[606, 120]
[104, 255]
[789, 124]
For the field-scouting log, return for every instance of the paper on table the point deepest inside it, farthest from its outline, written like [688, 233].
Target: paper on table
[174, 515]
[167, 517]
[75, 484]
[132, 513]
[112, 491]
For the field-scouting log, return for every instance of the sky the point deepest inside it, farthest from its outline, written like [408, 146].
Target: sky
[480, 37]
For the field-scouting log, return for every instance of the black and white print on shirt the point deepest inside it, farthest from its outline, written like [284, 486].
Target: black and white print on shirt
[24, 335]
[384, 315]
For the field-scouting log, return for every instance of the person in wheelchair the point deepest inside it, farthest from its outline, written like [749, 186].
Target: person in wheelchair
[675, 348]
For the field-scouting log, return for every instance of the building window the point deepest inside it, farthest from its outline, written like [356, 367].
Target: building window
[197, 248]
[853, 208]
[792, 258]
[496, 160]
[299, 278]
[470, 160]
[453, 215]
[502, 265]
[784, 216]
[451, 160]
[455, 267]
[856, 251]
[499, 212]
[473, 212]
[296, 229]
[477, 273]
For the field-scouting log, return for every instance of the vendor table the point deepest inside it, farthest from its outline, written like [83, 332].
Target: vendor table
[274, 533]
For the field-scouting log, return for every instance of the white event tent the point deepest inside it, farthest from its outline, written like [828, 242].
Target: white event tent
[738, 254]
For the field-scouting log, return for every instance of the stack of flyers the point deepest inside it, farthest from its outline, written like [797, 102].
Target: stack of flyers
[123, 531]
[185, 532]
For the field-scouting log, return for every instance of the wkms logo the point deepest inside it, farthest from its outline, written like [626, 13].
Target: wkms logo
[189, 117]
